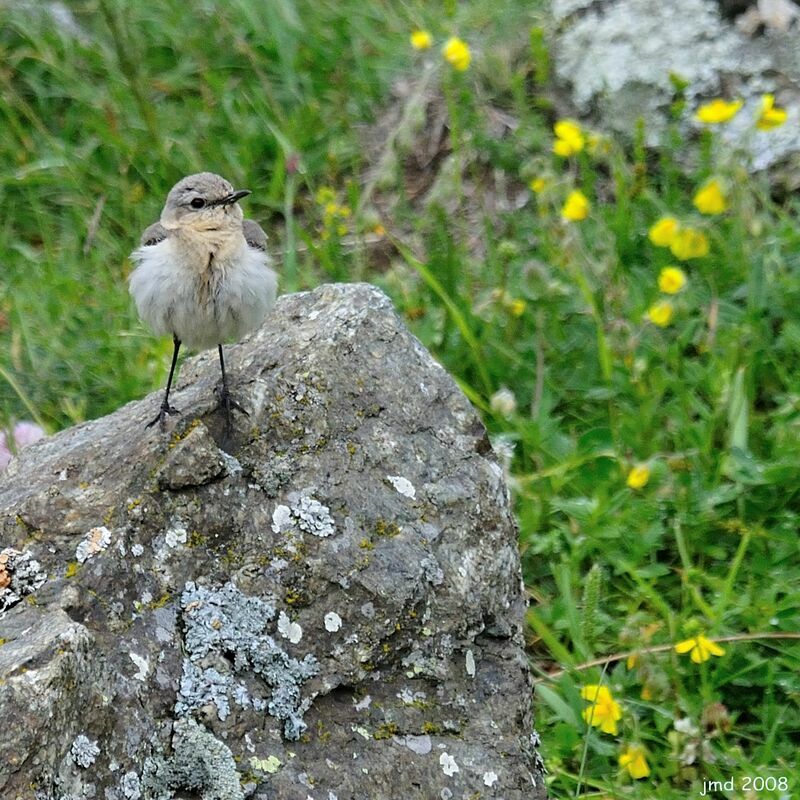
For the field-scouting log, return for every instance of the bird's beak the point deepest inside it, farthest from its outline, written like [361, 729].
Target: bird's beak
[234, 196]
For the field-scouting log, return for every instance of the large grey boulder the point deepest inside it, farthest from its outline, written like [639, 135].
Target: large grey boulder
[325, 605]
[615, 58]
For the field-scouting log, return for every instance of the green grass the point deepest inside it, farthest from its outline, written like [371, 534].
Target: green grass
[505, 293]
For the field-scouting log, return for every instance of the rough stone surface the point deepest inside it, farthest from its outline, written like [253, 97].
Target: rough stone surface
[326, 604]
[616, 56]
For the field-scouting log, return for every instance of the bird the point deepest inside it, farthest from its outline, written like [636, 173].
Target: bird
[202, 275]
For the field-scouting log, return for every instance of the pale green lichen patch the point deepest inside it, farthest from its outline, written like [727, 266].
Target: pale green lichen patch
[304, 512]
[199, 763]
[269, 765]
[225, 622]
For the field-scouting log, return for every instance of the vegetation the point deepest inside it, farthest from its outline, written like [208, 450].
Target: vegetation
[626, 321]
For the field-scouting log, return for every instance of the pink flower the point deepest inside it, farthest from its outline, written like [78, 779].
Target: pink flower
[5, 453]
[25, 433]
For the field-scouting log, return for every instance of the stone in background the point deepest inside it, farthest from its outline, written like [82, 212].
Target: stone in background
[615, 57]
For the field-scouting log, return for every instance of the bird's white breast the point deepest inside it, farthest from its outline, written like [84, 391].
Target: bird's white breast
[181, 289]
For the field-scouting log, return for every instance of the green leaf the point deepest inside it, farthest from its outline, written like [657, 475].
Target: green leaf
[738, 412]
[561, 709]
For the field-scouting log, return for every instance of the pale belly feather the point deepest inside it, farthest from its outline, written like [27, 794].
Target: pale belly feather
[203, 304]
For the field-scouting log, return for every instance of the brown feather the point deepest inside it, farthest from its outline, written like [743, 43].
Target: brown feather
[254, 235]
[153, 234]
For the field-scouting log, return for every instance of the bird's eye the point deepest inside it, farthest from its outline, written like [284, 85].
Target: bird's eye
[198, 202]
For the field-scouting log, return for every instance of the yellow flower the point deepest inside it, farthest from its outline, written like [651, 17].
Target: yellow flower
[538, 185]
[456, 52]
[421, 40]
[569, 138]
[576, 206]
[561, 147]
[517, 307]
[663, 231]
[647, 693]
[661, 313]
[769, 116]
[710, 199]
[634, 761]
[604, 711]
[324, 194]
[700, 647]
[638, 477]
[671, 280]
[718, 111]
[689, 243]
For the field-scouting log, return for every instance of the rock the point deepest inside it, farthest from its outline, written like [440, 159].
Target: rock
[615, 58]
[325, 604]
[195, 460]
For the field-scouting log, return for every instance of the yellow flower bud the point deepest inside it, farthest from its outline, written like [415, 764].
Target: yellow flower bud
[538, 185]
[661, 313]
[710, 199]
[663, 231]
[671, 280]
[569, 138]
[421, 40]
[689, 243]
[769, 116]
[638, 476]
[576, 206]
[456, 52]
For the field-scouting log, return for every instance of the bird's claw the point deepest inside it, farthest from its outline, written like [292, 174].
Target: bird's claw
[161, 418]
[227, 403]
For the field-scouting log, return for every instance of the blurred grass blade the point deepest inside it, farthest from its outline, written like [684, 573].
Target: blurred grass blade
[548, 636]
[455, 312]
[562, 710]
[24, 399]
[738, 412]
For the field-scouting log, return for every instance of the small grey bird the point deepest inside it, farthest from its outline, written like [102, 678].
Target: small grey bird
[202, 274]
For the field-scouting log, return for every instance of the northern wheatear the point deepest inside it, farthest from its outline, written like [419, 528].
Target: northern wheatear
[202, 274]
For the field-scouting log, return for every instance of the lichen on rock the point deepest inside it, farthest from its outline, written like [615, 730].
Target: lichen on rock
[225, 622]
[84, 751]
[95, 541]
[20, 575]
[304, 512]
[199, 762]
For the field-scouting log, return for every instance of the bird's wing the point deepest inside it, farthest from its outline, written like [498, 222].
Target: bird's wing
[153, 234]
[253, 234]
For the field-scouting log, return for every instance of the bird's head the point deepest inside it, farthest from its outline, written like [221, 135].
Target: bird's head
[203, 202]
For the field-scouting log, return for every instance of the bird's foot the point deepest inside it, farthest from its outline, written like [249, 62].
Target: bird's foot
[228, 404]
[161, 418]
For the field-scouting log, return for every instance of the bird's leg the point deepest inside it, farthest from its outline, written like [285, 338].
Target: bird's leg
[225, 399]
[166, 408]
